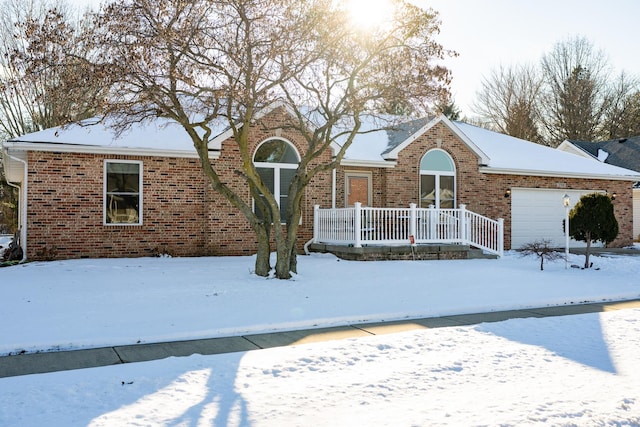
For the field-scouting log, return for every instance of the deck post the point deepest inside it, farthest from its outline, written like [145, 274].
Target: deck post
[357, 224]
[464, 236]
[433, 216]
[500, 237]
[316, 220]
[413, 220]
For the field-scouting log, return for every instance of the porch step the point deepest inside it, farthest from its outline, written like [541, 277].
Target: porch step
[400, 252]
[480, 254]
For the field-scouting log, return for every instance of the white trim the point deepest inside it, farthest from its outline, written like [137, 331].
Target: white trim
[140, 194]
[105, 150]
[483, 159]
[552, 174]
[358, 174]
[369, 163]
[437, 175]
[393, 154]
[568, 147]
[22, 212]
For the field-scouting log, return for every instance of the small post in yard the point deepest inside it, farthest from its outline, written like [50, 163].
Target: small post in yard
[566, 201]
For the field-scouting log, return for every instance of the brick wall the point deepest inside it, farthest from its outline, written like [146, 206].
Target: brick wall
[65, 208]
[182, 214]
[483, 193]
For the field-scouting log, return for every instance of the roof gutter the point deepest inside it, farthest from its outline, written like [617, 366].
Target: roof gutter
[500, 171]
[22, 213]
[90, 149]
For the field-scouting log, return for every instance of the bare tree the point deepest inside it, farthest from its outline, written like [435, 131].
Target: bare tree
[577, 91]
[507, 101]
[623, 117]
[542, 250]
[203, 61]
[45, 82]
[572, 94]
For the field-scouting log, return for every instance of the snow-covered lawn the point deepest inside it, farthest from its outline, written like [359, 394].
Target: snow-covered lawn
[573, 370]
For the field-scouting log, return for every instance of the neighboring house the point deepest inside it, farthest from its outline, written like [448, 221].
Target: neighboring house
[622, 152]
[86, 193]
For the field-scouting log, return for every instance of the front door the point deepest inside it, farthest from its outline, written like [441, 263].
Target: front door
[358, 189]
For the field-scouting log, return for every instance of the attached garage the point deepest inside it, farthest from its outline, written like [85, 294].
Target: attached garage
[538, 213]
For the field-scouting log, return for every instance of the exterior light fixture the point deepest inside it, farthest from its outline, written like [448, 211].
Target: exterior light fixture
[507, 193]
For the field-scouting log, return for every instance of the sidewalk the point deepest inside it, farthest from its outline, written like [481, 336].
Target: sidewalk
[36, 363]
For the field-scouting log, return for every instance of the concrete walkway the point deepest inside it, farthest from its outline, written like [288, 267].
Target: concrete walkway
[36, 363]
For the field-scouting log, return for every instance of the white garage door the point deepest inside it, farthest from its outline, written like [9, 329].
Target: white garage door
[538, 214]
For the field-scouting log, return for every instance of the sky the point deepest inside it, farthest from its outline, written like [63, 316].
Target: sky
[490, 33]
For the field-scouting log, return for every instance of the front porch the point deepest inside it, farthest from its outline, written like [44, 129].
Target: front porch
[406, 233]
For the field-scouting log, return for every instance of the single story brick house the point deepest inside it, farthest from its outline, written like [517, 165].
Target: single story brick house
[622, 152]
[86, 193]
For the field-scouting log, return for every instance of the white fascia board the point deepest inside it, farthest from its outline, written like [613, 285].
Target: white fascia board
[368, 163]
[393, 154]
[482, 156]
[483, 159]
[89, 149]
[568, 147]
[13, 165]
[552, 174]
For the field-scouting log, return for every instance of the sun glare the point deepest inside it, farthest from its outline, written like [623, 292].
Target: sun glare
[368, 14]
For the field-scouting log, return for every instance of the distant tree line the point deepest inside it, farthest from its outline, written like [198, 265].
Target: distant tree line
[572, 93]
[45, 81]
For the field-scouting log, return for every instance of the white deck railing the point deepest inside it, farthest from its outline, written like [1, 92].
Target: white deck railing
[359, 226]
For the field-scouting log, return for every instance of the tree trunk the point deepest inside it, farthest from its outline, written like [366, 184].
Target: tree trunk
[283, 260]
[287, 259]
[293, 259]
[263, 263]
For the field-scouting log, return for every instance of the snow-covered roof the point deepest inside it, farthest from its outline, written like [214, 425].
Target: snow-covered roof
[497, 153]
[158, 136]
[623, 152]
[509, 154]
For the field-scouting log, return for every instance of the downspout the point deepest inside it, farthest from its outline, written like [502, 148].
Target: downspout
[22, 213]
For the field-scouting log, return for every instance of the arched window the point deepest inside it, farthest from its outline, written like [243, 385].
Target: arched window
[276, 161]
[437, 180]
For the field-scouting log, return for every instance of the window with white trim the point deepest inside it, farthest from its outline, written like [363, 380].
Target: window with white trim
[276, 162]
[122, 192]
[437, 180]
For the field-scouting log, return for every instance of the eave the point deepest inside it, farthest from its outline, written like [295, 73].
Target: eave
[558, 174]
[104, 150]
[368, 163]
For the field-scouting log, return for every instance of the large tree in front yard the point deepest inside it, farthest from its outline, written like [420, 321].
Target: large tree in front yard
[200, 62]
[592, 219]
